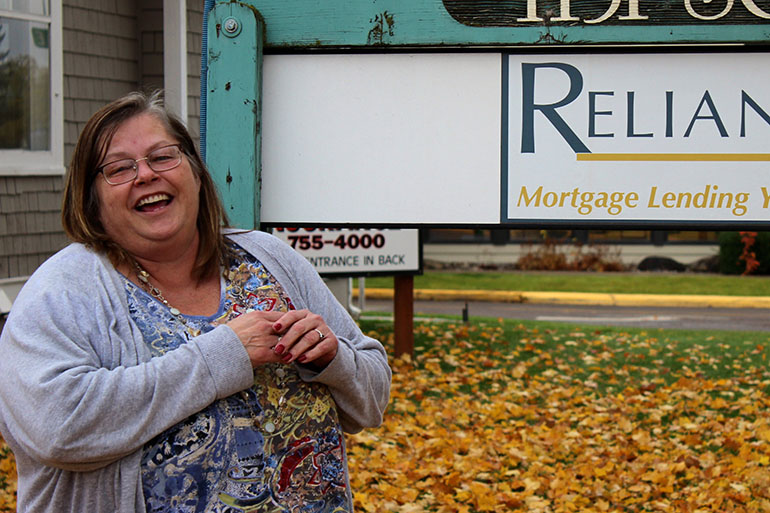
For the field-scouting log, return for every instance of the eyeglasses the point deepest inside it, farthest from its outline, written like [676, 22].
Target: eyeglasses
[126, 170]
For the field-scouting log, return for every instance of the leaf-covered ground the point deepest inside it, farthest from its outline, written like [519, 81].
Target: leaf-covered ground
[514, 418]
[7, 479]
[507, 417]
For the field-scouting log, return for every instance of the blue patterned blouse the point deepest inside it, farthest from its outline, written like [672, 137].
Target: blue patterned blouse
[275, 447]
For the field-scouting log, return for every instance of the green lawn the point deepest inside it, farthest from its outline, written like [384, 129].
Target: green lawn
[709, 354]
[631, 283]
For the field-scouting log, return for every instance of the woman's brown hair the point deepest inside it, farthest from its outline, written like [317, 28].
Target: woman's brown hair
[80, 206]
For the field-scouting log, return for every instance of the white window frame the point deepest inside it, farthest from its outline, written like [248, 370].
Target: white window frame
[175, 56]
[51, 162]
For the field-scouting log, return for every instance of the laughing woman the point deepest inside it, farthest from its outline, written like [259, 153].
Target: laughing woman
[162, 363]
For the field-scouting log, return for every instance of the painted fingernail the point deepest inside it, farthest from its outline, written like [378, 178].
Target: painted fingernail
[277, 326]
[301, 358]
[278, 349]
[286, 357]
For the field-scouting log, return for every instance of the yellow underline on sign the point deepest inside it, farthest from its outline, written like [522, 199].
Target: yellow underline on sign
[676, 157]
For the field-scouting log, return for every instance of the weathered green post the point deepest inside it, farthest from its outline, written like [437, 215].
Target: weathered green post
[236, 35]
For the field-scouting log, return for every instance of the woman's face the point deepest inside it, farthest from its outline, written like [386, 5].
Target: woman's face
[155, 214]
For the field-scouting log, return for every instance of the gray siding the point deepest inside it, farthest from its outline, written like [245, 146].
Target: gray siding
[150, 35]
[101, 59]
[30, 226]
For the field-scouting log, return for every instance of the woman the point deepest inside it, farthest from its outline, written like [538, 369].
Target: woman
[159, 364]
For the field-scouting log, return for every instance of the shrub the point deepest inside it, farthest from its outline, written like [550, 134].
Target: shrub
[731, 248]
[552, 255]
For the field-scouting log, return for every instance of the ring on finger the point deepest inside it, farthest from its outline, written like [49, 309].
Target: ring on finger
[321, 336]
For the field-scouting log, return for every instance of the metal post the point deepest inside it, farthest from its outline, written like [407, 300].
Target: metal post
[403, 314]
[361, 294]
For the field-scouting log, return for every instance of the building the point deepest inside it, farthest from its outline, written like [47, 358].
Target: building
[501, 247]
[61, 60]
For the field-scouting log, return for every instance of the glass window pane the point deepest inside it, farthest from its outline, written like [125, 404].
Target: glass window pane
[527, 235]
[24, 85]
[693, 236]
[599, 236]
[40, 7]
[452, 235]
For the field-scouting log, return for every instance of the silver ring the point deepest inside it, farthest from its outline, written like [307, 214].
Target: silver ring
[321, 336]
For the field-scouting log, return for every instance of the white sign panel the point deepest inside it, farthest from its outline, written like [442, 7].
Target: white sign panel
[381, 139]
[352, 252]
[645, 138]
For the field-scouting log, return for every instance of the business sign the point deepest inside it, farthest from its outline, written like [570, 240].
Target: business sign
[653, 138]
[305, 24]
[482, 13]
[508, 139]
[505, 139]
[394, 139]
[356, 252]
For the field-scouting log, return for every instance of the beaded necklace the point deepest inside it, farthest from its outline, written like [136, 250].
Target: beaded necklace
[144, 279]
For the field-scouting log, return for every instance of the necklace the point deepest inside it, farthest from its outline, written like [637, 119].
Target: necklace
[144, 280]
[267, 421]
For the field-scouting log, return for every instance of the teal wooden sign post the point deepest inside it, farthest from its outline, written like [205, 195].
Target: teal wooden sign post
[235, 34]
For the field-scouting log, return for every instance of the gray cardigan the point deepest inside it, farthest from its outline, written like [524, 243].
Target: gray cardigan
[80, 393]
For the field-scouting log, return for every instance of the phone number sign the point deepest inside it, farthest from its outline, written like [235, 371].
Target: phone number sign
[356, 252]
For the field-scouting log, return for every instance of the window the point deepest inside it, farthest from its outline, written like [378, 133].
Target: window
[500, 236]
[694, 237]
[30, 87]
[600, 236]
[457, 235]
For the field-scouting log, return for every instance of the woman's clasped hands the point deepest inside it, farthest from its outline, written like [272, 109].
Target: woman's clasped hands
[297, 335]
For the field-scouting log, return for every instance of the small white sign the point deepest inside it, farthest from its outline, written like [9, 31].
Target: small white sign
[356, 252]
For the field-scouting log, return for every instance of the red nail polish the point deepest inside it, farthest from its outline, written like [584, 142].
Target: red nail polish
[277, 326]
[278, 349]
[286, 357]
[301, 358]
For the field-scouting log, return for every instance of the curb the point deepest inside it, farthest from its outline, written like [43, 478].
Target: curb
[578, 298]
